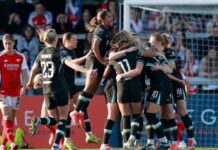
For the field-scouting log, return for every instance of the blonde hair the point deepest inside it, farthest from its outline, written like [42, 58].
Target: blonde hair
[166, 38]
[48, 36]
[122, 40]
[158, 38]
[8, 37]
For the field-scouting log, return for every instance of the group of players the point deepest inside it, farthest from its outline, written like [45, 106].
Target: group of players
[122, 60]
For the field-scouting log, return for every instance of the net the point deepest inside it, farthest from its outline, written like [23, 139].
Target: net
[194, 34]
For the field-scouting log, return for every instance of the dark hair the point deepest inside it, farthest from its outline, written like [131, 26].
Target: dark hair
[28, 60]
[67, 36]
[97, 20]
[8, 37]
[26, 27]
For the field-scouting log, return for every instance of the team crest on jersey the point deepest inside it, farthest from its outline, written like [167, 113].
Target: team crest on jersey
[5, 60]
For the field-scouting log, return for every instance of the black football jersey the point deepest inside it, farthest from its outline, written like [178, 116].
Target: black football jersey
[51, 61]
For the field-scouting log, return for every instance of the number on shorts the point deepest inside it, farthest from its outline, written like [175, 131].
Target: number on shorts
[179, 91]
[154, 94]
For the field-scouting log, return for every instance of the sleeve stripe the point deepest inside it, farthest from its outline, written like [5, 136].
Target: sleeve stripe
[65, 58]
[140, 61]
[139, 52]
[172, 59]
[149, 64]
[98, 37]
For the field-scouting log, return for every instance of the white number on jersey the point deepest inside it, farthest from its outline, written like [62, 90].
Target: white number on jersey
[47, 69]
[126, 62]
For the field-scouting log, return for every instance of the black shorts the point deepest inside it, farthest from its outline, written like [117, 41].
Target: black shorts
[129, 91]
[56, 99]
[143, 97]
[93, 63]
[73, 90]
[179, 93]
[159, 97]
[110, 91]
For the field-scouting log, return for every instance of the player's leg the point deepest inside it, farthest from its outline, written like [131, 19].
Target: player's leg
[180, 99]
[91, 86]
[151, 109]
[110, 92]
[135, 105]
[62, 99]
[67, 141]
[113, 112]
[181, 105]
[168, 121]
[169, 124]
[140, 129]
[51, 128]
[126, 119]
[8, 124]
[135, 116]
[84, 99]
[50, 120]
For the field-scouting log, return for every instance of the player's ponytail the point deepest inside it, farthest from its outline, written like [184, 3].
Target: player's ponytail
[166, 38]
[93, 24]
[97, 20]
[48, 36]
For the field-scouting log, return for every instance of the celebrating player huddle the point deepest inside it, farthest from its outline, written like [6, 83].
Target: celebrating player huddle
[122, 61]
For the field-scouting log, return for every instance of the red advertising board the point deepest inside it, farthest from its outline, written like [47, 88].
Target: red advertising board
[31, 106]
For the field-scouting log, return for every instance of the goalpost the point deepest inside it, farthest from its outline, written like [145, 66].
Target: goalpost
[193, 28]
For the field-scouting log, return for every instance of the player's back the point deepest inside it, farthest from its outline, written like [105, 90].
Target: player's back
[51, 61]
[69, 72]
[158, 78]
[127, 63]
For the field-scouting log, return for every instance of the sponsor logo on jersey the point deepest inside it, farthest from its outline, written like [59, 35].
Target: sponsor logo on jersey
[18, 60]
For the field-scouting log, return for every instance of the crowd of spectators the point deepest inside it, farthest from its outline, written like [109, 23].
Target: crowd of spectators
[194, 37]
[27, 16]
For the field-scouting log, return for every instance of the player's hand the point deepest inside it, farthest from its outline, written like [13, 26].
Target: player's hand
[22, 91]
[37, 85]
[29, 85]
[182, 82]
[165, 69]
[119, 77]
[105, 62]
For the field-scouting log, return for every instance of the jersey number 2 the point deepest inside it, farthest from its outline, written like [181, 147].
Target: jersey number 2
[47, 69]
[124, 63]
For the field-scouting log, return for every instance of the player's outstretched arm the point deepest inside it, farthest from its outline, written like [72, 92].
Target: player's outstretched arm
[81, 59]
[69, 62]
